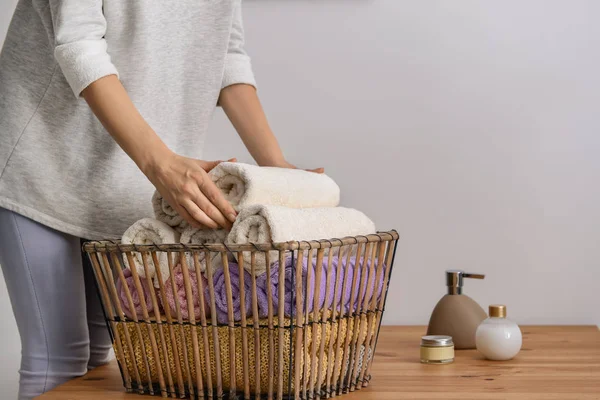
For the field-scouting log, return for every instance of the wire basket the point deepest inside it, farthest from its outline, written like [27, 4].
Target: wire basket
[213, 325]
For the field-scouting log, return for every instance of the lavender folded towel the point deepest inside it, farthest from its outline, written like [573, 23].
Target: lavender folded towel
[221, 294]
[325, 300]
[135, 296]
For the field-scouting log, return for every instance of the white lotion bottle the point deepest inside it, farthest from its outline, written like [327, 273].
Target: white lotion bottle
[497, 337]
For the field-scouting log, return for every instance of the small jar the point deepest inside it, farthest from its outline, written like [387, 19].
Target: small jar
[437, 349]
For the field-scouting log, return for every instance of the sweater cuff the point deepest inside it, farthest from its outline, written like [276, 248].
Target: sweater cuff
[84, 62]
[237, 70]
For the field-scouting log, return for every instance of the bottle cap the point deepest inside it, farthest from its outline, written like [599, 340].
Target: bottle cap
[437, 341]
[497, 311]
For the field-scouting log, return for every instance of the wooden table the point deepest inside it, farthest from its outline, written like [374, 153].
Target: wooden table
[561, 363]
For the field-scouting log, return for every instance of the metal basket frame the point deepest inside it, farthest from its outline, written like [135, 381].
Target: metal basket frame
[339, 375]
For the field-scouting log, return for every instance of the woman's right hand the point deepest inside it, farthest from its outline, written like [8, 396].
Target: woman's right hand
[184, 183]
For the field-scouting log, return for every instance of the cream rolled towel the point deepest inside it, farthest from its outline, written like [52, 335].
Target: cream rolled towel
[244, 185]
[149, 231]
[264, 224]
[192, 235]
[167, 214]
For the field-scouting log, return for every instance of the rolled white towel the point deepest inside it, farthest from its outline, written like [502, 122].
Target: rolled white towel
[264, 224]
[192, 235]
[167, 214]
[150, 231]
[245, 185]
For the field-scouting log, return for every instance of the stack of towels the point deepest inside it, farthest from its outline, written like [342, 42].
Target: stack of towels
[274, 205]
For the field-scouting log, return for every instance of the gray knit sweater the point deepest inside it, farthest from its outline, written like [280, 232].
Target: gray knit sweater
[58, 165]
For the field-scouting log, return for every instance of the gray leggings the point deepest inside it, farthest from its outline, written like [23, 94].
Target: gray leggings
[55, 303]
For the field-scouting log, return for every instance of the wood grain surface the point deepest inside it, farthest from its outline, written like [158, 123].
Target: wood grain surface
[556, 362]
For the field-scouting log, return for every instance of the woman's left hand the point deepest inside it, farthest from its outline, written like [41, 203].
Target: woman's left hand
[285, 164]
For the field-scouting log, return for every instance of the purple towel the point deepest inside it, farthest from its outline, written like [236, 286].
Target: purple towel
[221, 294]
[325, 299]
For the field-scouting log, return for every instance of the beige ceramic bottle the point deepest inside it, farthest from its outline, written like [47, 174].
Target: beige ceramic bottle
[456, 314]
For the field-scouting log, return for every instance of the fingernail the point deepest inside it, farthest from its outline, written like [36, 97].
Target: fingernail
[232, 217]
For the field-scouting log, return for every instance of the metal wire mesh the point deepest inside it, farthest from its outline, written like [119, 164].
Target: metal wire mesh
[211, 327]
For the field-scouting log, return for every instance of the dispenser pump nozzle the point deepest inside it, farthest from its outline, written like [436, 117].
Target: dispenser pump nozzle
[454, 279]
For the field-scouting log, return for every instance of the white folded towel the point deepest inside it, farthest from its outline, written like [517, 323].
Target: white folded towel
[245, 185]
[150, 231]
[167, 214]
[203, 236]
[264, 224]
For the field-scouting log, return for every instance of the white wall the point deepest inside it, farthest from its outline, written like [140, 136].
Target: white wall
[472, 127]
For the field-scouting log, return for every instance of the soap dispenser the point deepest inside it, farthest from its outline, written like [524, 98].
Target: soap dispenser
[456, 314]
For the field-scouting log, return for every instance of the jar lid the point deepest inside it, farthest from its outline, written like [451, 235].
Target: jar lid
[498, 311]
[437, 341]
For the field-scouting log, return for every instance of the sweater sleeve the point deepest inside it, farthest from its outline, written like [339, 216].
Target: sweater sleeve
[80, 48]
[237, 63]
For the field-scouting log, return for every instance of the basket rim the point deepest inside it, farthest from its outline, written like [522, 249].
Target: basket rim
[107, 246]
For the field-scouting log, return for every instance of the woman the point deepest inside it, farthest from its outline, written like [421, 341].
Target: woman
[151, 74]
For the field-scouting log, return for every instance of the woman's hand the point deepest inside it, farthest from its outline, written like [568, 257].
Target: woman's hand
[185, 185]
[182, 181]
[285, 164]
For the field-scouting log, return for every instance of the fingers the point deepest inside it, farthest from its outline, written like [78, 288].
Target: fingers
[211, 211]
[200, 200]
[209, 165]
[292, 166]
[183, 212]
[193, 194]
[188, 218]
[216, 198]
[198, 216]
[200, 213]
[206, 202]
